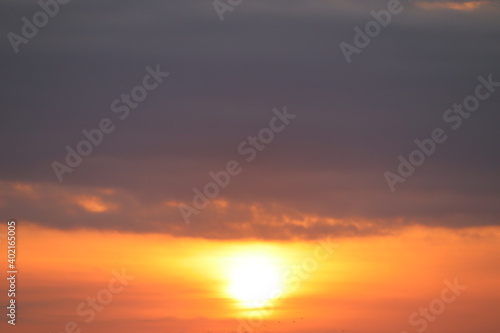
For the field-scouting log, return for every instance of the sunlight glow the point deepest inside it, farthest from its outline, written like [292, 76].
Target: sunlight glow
[254, 280]
[464, 6]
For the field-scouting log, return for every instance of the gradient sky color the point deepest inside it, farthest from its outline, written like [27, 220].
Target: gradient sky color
[320, 177]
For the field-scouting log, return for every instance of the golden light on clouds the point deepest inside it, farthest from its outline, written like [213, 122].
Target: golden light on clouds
[463, 6]
[25, 188]
[93, 204]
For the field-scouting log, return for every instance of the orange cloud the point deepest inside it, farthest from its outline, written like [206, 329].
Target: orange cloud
[93, 204]
[464, 6]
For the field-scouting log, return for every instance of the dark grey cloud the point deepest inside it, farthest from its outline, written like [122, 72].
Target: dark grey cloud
[326, 167]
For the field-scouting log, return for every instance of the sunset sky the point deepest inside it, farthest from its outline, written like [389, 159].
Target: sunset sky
[251, 166]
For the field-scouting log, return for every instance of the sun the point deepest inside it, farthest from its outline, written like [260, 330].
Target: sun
[254, 280]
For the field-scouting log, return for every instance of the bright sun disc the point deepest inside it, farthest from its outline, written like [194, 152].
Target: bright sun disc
[254, 280]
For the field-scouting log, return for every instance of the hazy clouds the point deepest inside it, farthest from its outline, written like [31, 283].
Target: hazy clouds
[324, 173]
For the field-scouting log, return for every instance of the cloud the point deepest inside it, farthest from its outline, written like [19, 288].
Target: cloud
[462, 6]
[285, 214]
[323, 174]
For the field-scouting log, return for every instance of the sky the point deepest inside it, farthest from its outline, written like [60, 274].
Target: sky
[210, 150]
